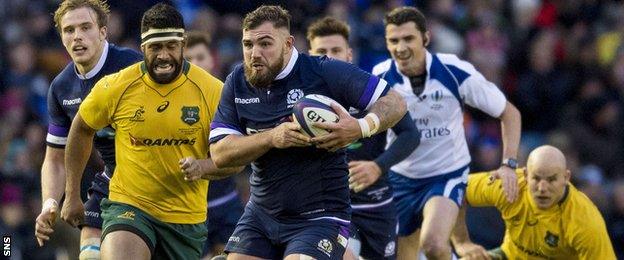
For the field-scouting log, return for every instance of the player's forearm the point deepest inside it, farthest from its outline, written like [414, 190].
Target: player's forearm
[460, 231]
[77, 152]
[390, 109]
[236, 150]
[511, 125]
[211, 172]
[52, 177]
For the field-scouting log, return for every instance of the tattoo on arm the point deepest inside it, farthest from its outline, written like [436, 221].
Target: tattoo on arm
[390, 109]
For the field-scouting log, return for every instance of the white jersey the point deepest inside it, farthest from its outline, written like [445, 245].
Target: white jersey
[437, 112]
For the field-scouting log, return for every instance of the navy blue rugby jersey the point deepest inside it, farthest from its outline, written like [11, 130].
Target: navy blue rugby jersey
[68, 90]
[221, 191]
[296, 183]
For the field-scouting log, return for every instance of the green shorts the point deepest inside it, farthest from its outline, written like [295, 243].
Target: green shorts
[165, 240]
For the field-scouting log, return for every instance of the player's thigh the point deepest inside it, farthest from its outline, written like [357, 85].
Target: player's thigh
[439, 216]
[251, 237]
[121, 220]
[179, 241]
[123, 244]
[408, 246]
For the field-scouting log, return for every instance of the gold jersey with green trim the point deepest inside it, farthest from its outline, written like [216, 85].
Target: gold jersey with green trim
[156, 125]
[571, 229]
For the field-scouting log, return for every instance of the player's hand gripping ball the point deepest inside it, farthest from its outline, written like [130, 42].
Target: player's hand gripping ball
[311, 109]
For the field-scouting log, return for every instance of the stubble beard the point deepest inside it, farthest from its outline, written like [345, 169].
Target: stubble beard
[263, 80]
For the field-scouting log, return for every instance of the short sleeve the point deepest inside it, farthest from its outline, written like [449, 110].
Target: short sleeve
[226, 118]
[481, 193]
[352, 85]
[97, 108]
[482, 94]
[59, 125]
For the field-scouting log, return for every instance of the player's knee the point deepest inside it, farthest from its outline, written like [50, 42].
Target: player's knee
[435, 248]
[90, 249]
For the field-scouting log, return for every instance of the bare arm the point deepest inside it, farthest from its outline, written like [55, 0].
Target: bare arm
[205, 169]
[511, 125]
[390, 109]
[460, 231]
[236, 150]
[52, 188]
[461, 239]
[510, 128]
[77, 152]
[53, 174]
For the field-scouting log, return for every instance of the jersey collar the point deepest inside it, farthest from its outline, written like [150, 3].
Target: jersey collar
[98, 65]
[291, 64]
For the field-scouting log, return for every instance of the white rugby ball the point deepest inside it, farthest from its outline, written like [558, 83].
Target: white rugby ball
[311, 109]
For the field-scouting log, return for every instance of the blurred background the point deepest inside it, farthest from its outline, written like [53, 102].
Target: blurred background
[561, 62]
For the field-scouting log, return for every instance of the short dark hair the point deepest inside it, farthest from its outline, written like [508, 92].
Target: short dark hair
[195, 38]
[326, 27]
[405, 14]
[267, 13]
[161, 16]
[100, 7]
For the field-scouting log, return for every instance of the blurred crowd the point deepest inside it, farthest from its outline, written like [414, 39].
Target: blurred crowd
[561, 62]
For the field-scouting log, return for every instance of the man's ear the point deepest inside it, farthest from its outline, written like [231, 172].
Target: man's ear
[103, 33]
[426, 38]
[567, 175]
[350, 55]
[290, 41]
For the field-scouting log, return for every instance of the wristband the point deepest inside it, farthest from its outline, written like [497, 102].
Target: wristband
[48, 204]
[365, 127]
[376, 122]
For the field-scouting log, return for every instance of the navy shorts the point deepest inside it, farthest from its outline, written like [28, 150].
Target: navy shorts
[410, 195]
[95, 194]
[261, 235]
[221, 222]
[376, 229]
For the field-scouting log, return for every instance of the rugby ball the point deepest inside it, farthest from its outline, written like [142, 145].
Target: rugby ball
[311, 109]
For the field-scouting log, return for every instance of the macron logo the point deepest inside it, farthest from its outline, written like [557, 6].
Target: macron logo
[246, 100]
[70, 102]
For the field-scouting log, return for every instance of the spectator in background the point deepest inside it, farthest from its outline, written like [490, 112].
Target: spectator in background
[597, 132]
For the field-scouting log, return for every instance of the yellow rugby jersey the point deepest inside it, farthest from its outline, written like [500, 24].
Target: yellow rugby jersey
[572, 229]
[156, 125]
